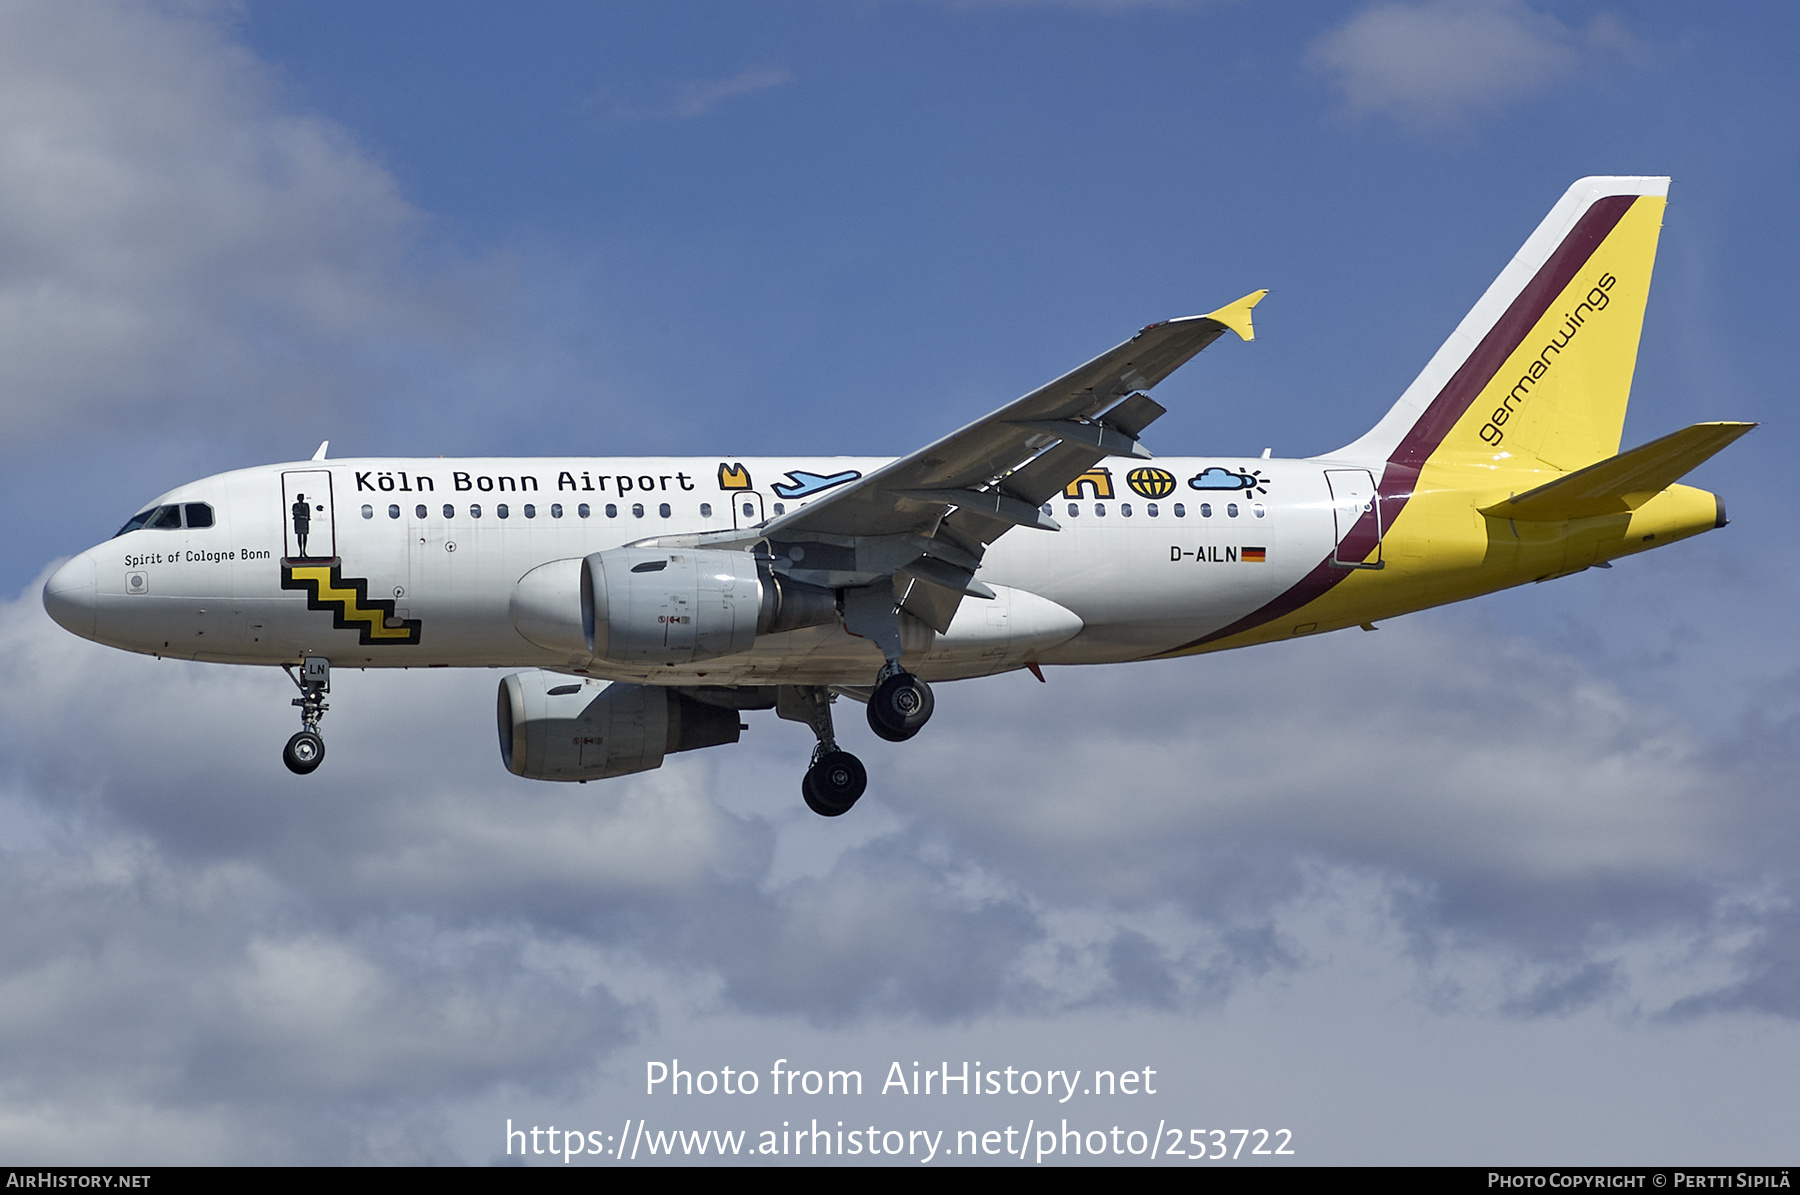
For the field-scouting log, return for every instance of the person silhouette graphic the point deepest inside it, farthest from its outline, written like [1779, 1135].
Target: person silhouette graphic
[302, 522]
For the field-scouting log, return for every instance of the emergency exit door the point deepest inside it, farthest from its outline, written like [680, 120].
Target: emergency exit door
[1358, 518]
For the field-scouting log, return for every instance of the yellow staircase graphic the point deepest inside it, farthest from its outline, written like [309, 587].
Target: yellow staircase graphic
[348, 600]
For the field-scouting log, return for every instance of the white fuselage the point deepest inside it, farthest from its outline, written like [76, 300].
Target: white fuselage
[1128, 576]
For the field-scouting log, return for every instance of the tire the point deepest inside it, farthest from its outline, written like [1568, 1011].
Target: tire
[834, 784]
[814, 803]
[900, 706]
[303, 753]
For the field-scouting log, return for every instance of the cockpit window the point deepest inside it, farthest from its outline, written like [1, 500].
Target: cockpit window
[168, 518]
[137, 520]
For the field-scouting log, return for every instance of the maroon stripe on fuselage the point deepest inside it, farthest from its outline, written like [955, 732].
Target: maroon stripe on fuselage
[1434, 423]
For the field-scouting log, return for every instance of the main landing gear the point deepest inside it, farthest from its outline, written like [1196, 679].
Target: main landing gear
[836, 778]
[900, 704]
[306, 750]
[833, 783]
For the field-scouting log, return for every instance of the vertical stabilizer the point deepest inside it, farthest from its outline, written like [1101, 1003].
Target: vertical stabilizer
[1538, 373]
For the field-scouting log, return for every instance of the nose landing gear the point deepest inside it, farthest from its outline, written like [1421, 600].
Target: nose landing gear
[306, 750]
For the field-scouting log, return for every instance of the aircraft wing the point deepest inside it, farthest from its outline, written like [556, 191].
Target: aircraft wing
[995, 473]
[927, 518]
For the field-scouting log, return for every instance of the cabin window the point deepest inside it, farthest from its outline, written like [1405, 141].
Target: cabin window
[368, 511]
[780, 509]
[419, 511]
[199, 514]
[749, 511]
[1180, 511]
[501, 510]
[393, 511]
[1074, 511]
[449, 511]
[706, 510]
[1125, 509]
[556, 510]
[637, 510]
[663, 510]
[474, 510]
[612, 510]
[1150, 509]
[582, 510]
[1206, 510]
[1231, 509]
[1099, 511]
[530, 510]
[1258, 508]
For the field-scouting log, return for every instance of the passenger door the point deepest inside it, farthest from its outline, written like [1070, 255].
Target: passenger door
[308, 516]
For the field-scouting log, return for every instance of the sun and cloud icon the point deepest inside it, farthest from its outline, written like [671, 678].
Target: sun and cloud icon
[1217, 478]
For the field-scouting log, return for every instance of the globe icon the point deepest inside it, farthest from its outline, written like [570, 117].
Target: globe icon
[1151, 483]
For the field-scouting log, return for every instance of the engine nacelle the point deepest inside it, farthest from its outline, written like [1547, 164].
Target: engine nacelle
[558, 728]
[654, 606]
[661, 606]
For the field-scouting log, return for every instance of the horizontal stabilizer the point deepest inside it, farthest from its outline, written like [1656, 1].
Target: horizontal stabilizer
[1620, 484]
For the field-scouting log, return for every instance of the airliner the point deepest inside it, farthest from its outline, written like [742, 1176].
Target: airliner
[647, 603]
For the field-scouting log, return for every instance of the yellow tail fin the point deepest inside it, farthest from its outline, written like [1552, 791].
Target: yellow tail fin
[1538, 374]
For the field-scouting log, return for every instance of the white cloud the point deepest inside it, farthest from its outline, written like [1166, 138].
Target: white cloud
[411, 930]
[1440, 62]
[177, 246]
[696, 98]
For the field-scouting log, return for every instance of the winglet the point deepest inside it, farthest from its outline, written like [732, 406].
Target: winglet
[1236, 316]
[323, 445]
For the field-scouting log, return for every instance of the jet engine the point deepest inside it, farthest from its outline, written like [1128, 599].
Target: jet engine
[558, 728]
[657, 606]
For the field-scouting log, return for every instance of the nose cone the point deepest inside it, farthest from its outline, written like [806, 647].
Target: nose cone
[69, 596]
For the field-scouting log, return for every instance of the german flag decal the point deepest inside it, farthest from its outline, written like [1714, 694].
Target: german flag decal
[348, 600]
[1254, 555]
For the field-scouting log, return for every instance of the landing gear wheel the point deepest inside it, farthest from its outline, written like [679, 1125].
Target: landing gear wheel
[899, 707]
[304, 752]
[834, 783]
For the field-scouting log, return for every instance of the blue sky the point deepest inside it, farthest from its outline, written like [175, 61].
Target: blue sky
[1307, 883]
